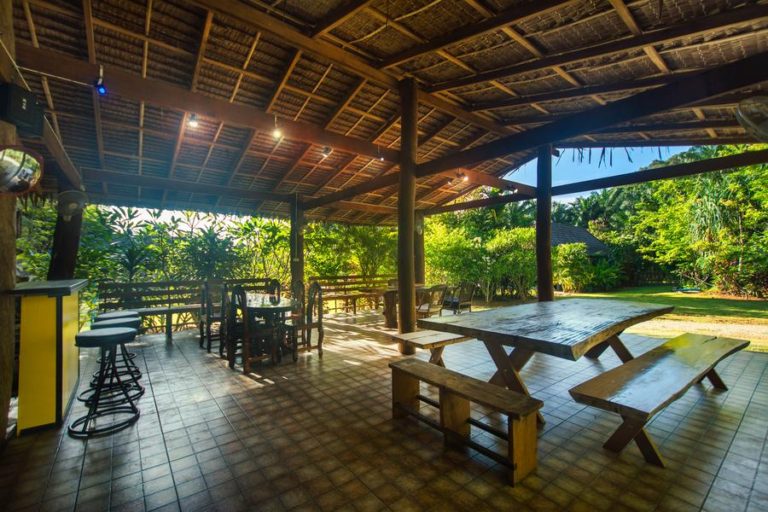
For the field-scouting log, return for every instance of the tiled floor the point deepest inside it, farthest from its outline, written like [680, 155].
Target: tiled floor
[317, 435]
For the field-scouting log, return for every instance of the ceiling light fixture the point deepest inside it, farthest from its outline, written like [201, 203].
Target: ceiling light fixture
[326, 152]
[192, 122]
[378, 150]
[101, 89]
[277, 133]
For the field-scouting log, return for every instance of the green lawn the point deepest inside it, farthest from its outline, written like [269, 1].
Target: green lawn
[691, 305]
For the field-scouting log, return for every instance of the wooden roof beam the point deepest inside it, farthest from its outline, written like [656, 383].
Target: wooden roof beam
[689, 28]
[580, 92]
[669, 171]
[133, 87]
[185, 186]
[681, 92]
[339, 15]
[486, 26]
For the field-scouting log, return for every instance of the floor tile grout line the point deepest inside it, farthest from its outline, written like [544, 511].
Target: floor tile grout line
[159, 423]
[741, 420]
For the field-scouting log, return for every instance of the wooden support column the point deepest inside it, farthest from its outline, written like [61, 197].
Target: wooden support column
[66, 242]
[418, 249]
[544, 284]
[406, 204]
[297, 244]
[7, 240]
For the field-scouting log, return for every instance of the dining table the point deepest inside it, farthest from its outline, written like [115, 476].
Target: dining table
[270, 308]
[566, 328]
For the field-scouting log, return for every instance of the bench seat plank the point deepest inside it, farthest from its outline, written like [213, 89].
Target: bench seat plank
[515, 405]
[428, 340]
[645, 385]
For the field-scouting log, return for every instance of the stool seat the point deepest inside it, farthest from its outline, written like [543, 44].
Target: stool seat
[116, 314]
[104, 337]
[132, 322]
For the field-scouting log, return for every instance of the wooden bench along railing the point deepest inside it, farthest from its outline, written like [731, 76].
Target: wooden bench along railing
[344, 292]
[434, 341]
[456, 391]
[640, 388]
[164, 299]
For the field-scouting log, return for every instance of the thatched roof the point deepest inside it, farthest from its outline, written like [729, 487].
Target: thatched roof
[134, 147]
[566, 234]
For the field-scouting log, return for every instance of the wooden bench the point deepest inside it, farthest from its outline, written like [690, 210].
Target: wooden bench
[434, 341]
[153, 299]
[350, 289]
[640, 388]
[456, 391]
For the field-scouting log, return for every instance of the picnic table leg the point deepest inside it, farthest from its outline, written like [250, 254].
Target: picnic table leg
[616, 344]
[509, 376]
[634, 430]
[436, 356]
[714, 379]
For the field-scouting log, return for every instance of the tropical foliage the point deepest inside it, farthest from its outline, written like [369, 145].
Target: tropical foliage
[709, 231]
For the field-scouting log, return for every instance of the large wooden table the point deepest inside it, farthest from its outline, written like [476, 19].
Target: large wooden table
[567, 329]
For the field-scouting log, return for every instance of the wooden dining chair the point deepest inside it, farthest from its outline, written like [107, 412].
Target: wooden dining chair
[460, 298]
[313, 314]
[253, 340]
[294, 325]
[213, 313]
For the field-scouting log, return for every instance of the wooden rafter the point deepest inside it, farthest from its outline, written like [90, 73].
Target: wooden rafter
[666, 172]
[95, 102]
[133, 87]
[503, 19]
[43, 79]
[692, 27]
[684, 91]
[332, 53]
[339, 15]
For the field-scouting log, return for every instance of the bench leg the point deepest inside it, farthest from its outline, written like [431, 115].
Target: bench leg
[405, 394]
[507, 374]
[454, 418]
[436, 356]
[634, 430]
[522, 446]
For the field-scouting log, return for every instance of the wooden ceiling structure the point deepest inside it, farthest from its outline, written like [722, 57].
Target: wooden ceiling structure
[495, 79]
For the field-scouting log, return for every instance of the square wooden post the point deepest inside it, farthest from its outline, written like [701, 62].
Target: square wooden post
[7, 240]
[406, 204]
[546, 291]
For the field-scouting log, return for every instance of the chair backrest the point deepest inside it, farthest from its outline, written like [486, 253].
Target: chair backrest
[314, 304]
[213, 293]
[466, 292]
[436, 296]
[238, 310]
[273, 288]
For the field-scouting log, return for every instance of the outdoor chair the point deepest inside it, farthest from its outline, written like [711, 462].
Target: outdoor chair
[295, 323]
[460, 298]
[213, 313]
[430, 301]
[252, 340]
[313, 315]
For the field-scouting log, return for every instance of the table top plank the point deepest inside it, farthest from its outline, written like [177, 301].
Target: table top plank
[565, 328]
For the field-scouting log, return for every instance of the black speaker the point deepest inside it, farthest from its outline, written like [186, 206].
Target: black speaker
[19, 106]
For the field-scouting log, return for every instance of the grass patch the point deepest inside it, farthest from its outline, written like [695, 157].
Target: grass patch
[692, 306]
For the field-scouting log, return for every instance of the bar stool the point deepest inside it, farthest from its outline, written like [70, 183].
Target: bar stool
[101, 405]
[115, 314]
[126, 364]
